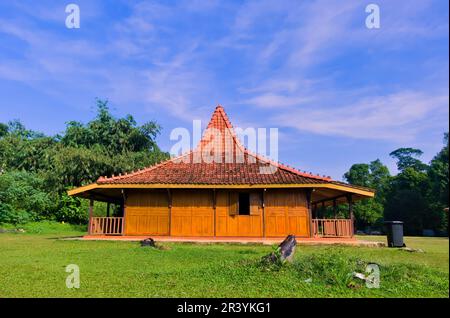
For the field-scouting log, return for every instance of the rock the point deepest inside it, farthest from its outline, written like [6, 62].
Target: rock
[412, 250]
[148, 242]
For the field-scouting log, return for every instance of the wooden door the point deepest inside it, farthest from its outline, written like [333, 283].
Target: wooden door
[286, 213]
[192, 213]
[147, 213]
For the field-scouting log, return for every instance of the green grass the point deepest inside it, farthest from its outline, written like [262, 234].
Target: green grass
[33, 265]
[47, 227]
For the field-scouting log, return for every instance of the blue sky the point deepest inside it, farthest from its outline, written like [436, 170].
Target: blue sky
[338, 92]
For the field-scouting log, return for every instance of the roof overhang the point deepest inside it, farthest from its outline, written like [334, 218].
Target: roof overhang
[322, 191]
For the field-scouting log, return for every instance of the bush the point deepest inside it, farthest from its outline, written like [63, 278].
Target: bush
[22, 198]
[71, 210]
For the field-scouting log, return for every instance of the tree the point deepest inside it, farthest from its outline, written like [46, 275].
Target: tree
[406, 200]
[407, 197]
[116, 136]
[3, 130]
[45, 167]
[407, 158]
[374, 175]
[438, 196]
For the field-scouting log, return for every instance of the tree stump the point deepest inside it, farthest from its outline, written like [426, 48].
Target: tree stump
[284, 252]
[287, 248]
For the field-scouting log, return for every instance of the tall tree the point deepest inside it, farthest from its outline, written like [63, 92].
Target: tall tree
[408, 158]
[438, 196]
[407, 197]
[374, 175]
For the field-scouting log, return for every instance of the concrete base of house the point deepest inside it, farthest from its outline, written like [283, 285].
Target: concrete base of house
[237, 240]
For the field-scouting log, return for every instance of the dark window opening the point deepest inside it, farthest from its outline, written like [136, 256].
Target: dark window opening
[244, 204]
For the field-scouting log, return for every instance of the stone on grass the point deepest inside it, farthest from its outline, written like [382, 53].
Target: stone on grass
[148, 242]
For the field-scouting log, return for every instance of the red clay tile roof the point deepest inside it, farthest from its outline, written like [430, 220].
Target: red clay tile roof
[220, 140]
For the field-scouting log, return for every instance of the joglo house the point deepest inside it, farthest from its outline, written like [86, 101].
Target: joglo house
[250, 196]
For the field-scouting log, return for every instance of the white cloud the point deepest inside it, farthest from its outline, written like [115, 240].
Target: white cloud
[399, 116]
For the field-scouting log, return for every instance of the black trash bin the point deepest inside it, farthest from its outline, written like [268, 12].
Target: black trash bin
[394, 230]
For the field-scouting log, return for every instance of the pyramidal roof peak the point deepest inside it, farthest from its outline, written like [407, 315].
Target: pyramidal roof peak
[220, 136]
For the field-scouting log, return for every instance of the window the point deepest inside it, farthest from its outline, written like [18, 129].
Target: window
[244, 203]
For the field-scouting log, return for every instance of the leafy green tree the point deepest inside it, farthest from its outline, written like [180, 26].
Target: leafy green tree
[374, 175]
[407, 200]
[51, 165]
[438, 197]
[23, 198]
[3, 130]
[408, 158]
[116, 136]
[407, 197]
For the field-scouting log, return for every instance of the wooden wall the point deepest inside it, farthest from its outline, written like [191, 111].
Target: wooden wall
[147, 212]
[286, 212]
[192, 213]
[198, 212]
[230, 224]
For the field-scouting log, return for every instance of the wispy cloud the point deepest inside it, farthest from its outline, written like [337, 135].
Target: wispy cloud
[399, 116]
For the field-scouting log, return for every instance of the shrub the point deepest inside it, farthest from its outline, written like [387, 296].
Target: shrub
[22, 198]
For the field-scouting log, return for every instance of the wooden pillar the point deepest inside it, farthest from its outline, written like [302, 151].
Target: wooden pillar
[264, 212]
[215, 210]
[123, 208]
[107, 208]
[169, 200]
[308, 204]
[91, 212]
[350, 212]
[335, 208]
[322, 212]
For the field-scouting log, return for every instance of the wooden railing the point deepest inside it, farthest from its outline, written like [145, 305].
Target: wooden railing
[332, 227]
[106, 225]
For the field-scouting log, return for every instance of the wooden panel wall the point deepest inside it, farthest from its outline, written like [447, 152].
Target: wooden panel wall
[192, 213]
[228, 224]
[286, 212]
[147, 213]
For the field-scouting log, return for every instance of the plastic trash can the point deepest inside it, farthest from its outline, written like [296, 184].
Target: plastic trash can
[394, 230]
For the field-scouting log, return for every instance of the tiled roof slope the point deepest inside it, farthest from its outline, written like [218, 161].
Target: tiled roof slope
[219, 137]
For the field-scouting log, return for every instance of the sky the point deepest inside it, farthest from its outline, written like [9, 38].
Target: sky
[338, 92]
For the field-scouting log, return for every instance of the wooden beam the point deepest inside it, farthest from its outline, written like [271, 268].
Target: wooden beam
[107, 209]
[124, 211]
[331, 199]
[335, 208]
[91, 212]
[169, 201]
[350, 212]
[264, 212]
[366, 193]
[308, 204]
[215, 210]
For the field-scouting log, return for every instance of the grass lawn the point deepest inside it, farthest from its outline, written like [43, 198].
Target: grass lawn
[32, 264]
